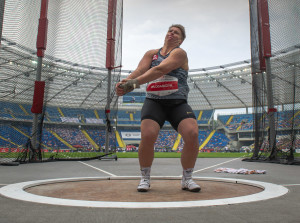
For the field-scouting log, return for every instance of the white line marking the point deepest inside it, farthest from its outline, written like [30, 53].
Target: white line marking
[287, 185]
[97, 169]
[16, 191]
[216, 165]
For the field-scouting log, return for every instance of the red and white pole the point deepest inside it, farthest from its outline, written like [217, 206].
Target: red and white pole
[110, 63]
[39, 87]
[265, 65]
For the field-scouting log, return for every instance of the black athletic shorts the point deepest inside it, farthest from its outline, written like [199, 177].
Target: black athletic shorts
[171, 110]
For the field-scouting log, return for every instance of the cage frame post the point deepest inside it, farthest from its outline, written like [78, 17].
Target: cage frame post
[107, 113]
[34, 140]
[2, 6]
[41, 47]
[265, 65]
[271, 110]
[290, 156]
[110, 63]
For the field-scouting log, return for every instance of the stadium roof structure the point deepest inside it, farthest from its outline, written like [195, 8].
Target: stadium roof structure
[75, 60]
[70, 84]
[230, 86]
[81, 86]
[220, 87]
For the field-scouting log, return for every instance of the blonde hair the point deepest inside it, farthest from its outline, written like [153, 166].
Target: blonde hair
[182, 29]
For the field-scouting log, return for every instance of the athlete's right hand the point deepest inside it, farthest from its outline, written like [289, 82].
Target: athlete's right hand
[127, 85]
[120, 91]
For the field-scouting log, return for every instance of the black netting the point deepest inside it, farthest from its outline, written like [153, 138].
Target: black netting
[284, 72]
[73, 121]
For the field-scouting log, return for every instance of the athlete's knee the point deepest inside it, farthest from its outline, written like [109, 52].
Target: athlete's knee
[149, 135]
[149, 130]
[191, 133]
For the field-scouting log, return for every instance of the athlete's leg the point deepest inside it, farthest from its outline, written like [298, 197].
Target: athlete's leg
[153, 118]
[188, 129]
[149, 133]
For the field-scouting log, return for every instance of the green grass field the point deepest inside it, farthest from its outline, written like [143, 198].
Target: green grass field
[200, 155]
[135, 155]
[177, 155]
[63, 155]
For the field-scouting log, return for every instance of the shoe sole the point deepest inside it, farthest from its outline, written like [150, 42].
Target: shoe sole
[142, 190]
[192, 190]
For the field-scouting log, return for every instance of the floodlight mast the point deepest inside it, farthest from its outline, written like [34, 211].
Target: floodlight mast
[110, 63]
[38, 97]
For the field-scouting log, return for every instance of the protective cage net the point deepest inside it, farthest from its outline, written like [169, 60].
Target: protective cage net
[79, 111]
[285, 81]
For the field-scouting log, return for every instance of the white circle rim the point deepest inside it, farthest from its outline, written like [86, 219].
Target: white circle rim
[17, 191]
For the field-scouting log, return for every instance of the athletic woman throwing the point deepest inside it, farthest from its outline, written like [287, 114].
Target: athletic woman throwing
[166, 71]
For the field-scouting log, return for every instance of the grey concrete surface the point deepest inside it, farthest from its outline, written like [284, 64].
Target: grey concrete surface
[282, 209]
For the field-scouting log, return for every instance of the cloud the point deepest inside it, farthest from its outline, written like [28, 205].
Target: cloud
[218, 31]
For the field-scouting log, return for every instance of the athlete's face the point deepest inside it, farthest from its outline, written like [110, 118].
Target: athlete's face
[174, 35]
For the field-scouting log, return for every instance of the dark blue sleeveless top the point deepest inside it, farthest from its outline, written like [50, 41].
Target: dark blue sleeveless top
[179, 73]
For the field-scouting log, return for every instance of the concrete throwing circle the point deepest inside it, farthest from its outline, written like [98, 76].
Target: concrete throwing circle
[120, 192]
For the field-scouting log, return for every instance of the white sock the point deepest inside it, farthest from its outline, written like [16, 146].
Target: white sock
[187, 173]
[145, 172]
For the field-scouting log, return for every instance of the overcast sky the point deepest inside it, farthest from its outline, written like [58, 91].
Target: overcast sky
[217, 31]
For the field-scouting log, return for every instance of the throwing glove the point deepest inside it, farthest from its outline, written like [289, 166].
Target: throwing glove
[129, 86]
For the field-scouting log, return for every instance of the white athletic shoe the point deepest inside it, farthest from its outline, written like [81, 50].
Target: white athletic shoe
[189, 185]
[144, 185]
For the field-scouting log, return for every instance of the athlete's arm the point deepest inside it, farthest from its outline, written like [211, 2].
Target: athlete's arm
[176, 59]
[142, 67]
